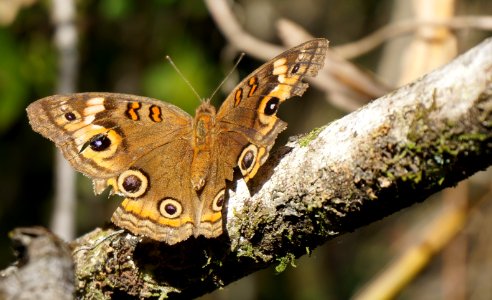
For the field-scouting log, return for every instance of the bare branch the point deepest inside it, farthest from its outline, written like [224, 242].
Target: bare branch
[394, 30]
[394, 152]
[44, 269]
[347, 86]
[63, 219]
[232, 30]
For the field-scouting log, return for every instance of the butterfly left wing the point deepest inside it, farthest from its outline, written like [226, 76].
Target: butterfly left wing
[159, 200]
[247, 126]
[247, 118]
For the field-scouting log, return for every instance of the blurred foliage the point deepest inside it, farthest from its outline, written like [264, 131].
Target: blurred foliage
[162, 82]
[25, 67]
[12, 83]
[123, 44]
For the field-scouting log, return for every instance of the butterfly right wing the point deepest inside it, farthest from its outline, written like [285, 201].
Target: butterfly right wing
[139, 146]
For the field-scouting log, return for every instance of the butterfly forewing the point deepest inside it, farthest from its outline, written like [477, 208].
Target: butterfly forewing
[249, 113]
[102, 134]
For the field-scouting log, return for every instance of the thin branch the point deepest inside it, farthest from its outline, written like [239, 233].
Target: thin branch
[348, 87]
[63, 219]
[394, 30]
[232, 30]
[445, 227]
[44, 269]
[394, 152]
[430, 47]
[404, 269]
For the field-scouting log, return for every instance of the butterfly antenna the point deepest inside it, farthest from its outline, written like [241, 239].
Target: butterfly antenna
[228, 74]
[183, 77]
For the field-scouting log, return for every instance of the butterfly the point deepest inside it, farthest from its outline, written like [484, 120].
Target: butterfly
[171, 167]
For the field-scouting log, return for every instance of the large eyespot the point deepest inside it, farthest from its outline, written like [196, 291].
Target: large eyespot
[99, 142]
[133, 183]
[218, 201]
[247, 159]
[170, 208]
[271, 106]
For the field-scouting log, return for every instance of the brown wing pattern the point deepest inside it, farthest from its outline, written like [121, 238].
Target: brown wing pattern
[139, 146]
[171, 169]
[94, 130]
[160, 202]
[247, 126]
[247, 119]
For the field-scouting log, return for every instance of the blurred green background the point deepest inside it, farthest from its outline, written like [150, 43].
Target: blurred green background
[122, 45]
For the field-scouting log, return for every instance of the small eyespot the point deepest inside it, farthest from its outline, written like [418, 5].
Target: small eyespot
[100, 142]
[133, 183]
[272, 106]
[70, 116]
[295, 68]
[218, 201]
[170, 208]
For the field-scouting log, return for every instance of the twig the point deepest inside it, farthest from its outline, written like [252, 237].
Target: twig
[63, 218]
[391, 31]
[348, 87]
[346, 91]
[232, 30]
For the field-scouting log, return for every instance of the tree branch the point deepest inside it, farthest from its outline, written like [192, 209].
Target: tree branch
[66, 37]
[236, 35]
[392, 153]
[44, 267]
[391, 31]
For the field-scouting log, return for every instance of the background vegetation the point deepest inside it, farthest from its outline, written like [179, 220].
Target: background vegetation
[122, 46]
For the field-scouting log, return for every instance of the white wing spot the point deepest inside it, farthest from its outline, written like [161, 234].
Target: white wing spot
[92, 110]
[279, 66]
[89, 119]
[95, 101]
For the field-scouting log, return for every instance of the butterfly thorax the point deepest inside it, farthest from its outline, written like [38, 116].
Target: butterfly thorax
[202, 142]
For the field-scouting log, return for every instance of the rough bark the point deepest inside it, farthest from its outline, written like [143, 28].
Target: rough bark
[390, 154]
[44, 269]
